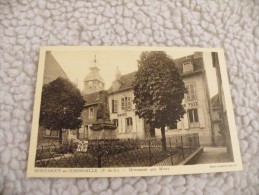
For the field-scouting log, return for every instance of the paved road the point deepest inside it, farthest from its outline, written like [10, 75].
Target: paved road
[214, 155]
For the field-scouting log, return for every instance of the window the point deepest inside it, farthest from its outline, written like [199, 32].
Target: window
[116, 122]
[114, 106]
[187, 67]
[193, 116]
[73, 132]
[91, 112]
[191, 94]
[128, 124]
[173, 126]
[126, 104]
[122, 104]
[50, 133]
[90, 82]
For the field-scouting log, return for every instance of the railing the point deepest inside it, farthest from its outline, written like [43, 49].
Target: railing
[117, 152]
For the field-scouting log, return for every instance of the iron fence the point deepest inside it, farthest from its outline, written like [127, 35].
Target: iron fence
[117, 152]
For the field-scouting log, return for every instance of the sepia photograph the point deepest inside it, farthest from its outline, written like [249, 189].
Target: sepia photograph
[132, 111]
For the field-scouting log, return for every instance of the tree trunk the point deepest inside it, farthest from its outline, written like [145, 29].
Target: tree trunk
[163, 138]
[77, 133]
[60, 136]
[152, 132]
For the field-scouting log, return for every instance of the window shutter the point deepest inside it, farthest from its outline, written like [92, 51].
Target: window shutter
[47, 132]
[123, 126]
[186, 121]
[120, 126]
[122, 104]
[113, 106]
[201, 117]
[128, 104]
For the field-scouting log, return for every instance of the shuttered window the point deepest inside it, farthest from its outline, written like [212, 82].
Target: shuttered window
[128, 125]
[191, 92]
[114, 106]
[122, 104]
[193, 115]
[187, 67]
[116, 122]
[126, 103]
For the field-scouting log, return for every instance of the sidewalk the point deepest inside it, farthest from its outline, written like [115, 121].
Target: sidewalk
[209, 155]
[214, 155]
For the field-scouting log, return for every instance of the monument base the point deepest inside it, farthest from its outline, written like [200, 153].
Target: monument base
[103, 129]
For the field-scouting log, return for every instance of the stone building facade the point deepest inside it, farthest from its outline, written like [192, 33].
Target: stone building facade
[218, 128]
[89, 114]
[196, 103]
[121, 107]
[93, 93]
[222, 104]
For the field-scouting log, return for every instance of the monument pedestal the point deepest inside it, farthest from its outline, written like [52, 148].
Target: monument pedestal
[103, 129]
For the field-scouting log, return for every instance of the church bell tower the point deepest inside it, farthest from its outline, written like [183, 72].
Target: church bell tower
[93, 82]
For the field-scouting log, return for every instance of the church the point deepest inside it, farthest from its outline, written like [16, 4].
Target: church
[93, 93]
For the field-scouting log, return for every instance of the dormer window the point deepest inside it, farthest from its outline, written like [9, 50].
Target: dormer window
[187, 67]
[91, 112]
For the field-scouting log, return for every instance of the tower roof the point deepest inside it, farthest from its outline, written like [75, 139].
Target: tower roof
[94, 74]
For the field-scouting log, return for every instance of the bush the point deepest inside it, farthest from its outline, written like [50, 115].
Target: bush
[68, 148]
[112, 146]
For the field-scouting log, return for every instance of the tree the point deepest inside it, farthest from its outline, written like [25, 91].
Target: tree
[158, 91]
[61, 106]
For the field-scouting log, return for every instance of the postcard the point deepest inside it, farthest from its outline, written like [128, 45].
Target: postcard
[132, 111]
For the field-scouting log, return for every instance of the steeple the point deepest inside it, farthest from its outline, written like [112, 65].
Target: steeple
[94, 67]
[116, 84]
[93, 82]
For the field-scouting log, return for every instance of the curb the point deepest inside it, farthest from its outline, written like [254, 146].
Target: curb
[191, 159]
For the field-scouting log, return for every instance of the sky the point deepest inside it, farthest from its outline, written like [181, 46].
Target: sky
[76, 64]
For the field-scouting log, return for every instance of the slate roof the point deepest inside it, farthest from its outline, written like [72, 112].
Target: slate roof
[93, 98]
[94, 75]
[127, 79]
[197, 63]
[52, 69]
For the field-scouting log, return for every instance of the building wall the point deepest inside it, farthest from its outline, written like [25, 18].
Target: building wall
[93, 86]
[87, 120]
[218, 127]
[137, 129]
[85, 131]
[45, 139]
[223, 105]
[201, 103]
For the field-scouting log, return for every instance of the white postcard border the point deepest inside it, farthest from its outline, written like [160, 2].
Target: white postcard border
[33, 171]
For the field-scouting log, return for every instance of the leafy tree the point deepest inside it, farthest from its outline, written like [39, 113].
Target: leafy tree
[61, 106]
[158, 91]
